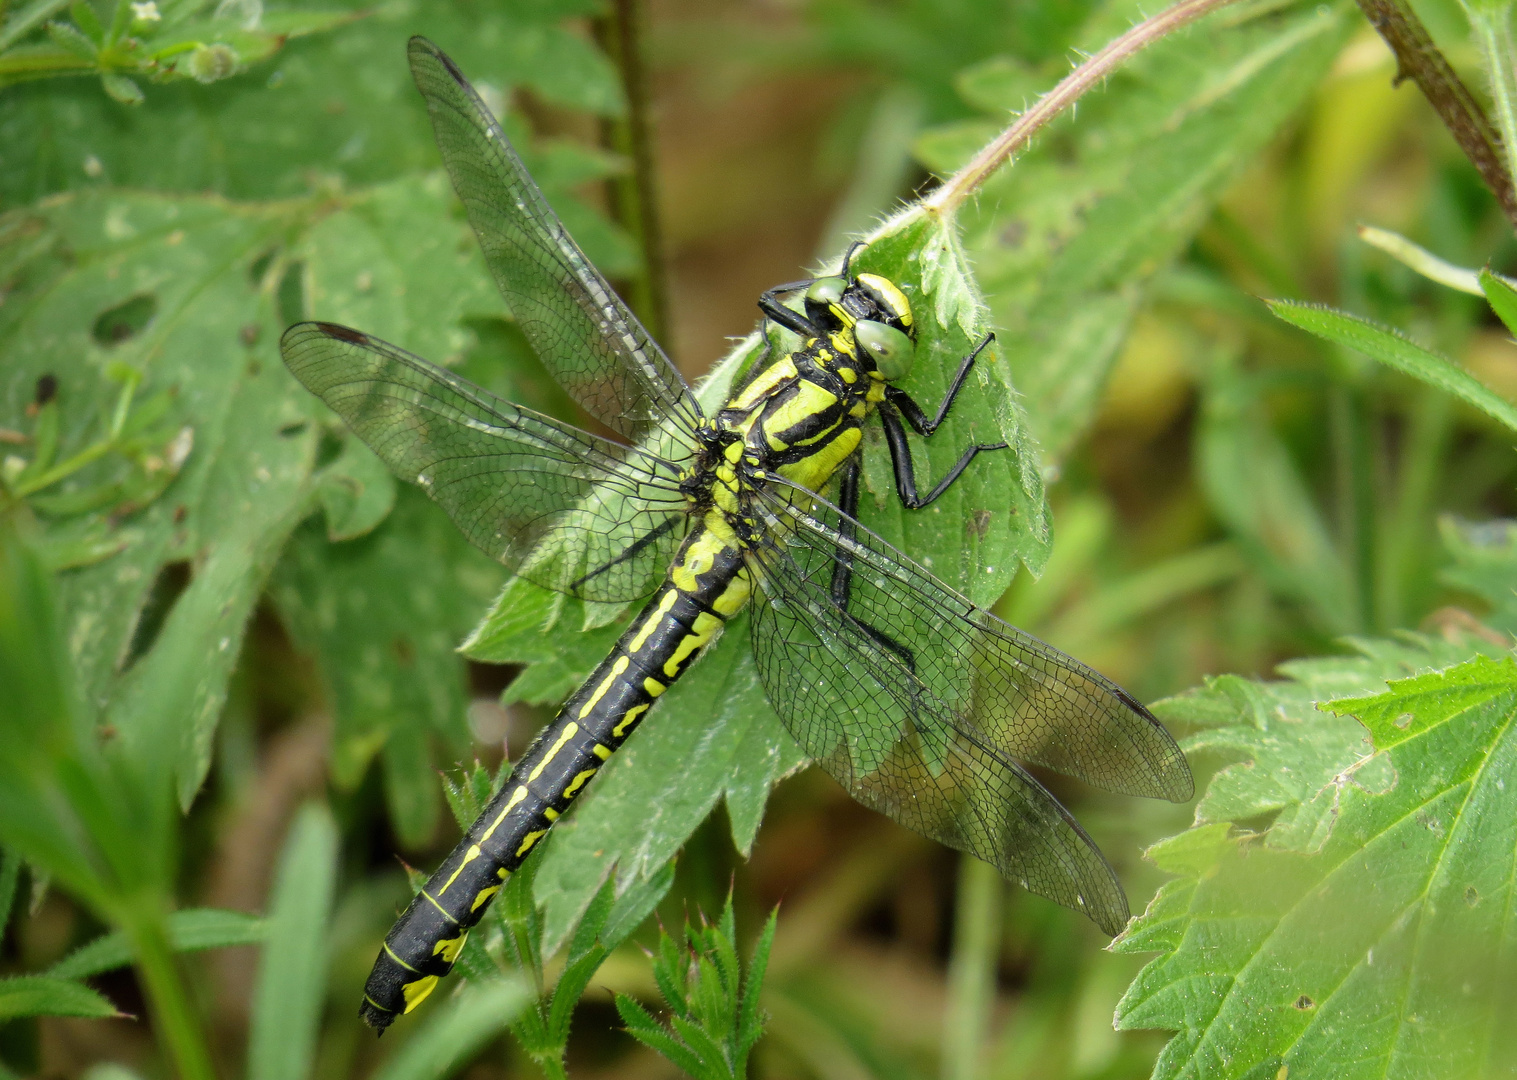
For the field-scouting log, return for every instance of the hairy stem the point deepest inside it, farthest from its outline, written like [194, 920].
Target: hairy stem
[1418, 59]
[1074, 86]
[634, 196]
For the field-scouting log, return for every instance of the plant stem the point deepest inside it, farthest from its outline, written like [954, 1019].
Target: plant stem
[1418, 59]
[172, 1014]
[1492, 28]
[972, 968]
[1074, 86]
[634, 197]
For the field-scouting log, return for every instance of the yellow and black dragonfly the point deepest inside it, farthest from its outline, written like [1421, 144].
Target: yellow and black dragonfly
[919, 703]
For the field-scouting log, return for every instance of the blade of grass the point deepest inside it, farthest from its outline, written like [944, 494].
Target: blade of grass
[292, 970]
[1395, 350]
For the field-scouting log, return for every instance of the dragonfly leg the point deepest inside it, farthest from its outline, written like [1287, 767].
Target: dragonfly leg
[895, 434]
[913, 412]
[842, 566]
[633, 551]
[776, 312]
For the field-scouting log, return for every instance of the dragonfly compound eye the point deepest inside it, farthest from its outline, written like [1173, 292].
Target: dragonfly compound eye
[891, 350]
[826, 291]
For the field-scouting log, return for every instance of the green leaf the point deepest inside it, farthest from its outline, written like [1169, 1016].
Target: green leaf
[356, 492]
[190, 930]
[43, 995]
[291, 989]
[338, 104]
[1414, 706]
[1067, 237]
[1381, 946]
[452, 1034]
[382, 615]
[1502, 297]
[1395, 350]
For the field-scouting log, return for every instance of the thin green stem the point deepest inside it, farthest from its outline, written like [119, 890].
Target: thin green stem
[1074, 86]
[1492, 29]
[28, 19]
[972, 967]
[173, 1015]
[65, 468]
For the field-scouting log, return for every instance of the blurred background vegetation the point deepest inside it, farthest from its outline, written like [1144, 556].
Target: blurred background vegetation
[1227, 492]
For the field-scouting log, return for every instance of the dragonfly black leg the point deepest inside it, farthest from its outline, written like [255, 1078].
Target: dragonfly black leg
[842, 566]
[900, 450]
[633, 551]
[776, 312]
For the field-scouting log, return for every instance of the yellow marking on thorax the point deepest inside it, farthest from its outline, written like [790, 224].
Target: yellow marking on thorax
[782, 370]
[849, 375]
[469, 856]
[483, 897]
[814, 471]
[842, 341]
[809, 400]
[654, 618]
[700, 556]
[627, 721]
[516, 796]
[571, 729]
[417, 991]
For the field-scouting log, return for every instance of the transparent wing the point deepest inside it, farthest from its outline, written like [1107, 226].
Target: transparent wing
[582, 332]
[921, 704]
[566, 509]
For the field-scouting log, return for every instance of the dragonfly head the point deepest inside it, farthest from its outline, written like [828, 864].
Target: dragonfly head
[877, 312]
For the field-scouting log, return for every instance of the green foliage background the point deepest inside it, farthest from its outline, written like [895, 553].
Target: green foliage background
[229, 673]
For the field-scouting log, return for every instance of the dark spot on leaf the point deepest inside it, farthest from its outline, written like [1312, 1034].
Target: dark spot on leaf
[1471, 895]
[255, 369]
[978, 524]
[1015, 234]
[47, 389]
[404, 651]
[1303, 1003]
[250, 333]
[260, 267]
[329, 449]
[290, 298]
[180, 513]
[168, 586]
[107, 732]
[124, 321]
[289, 431]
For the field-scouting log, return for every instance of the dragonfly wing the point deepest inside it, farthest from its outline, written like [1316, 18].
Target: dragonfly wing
[582, 332]
[568, 510]
[921, 704]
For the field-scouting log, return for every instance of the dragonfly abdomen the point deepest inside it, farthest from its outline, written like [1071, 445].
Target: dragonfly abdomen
[707, 584]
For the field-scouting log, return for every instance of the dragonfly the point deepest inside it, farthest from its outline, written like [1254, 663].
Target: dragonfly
[921, 704]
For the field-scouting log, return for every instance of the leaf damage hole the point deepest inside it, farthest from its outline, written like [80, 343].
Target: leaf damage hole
[1304, 1003]
[168, 586]
[1404, 721]
[1471, 895]
[124, 321]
